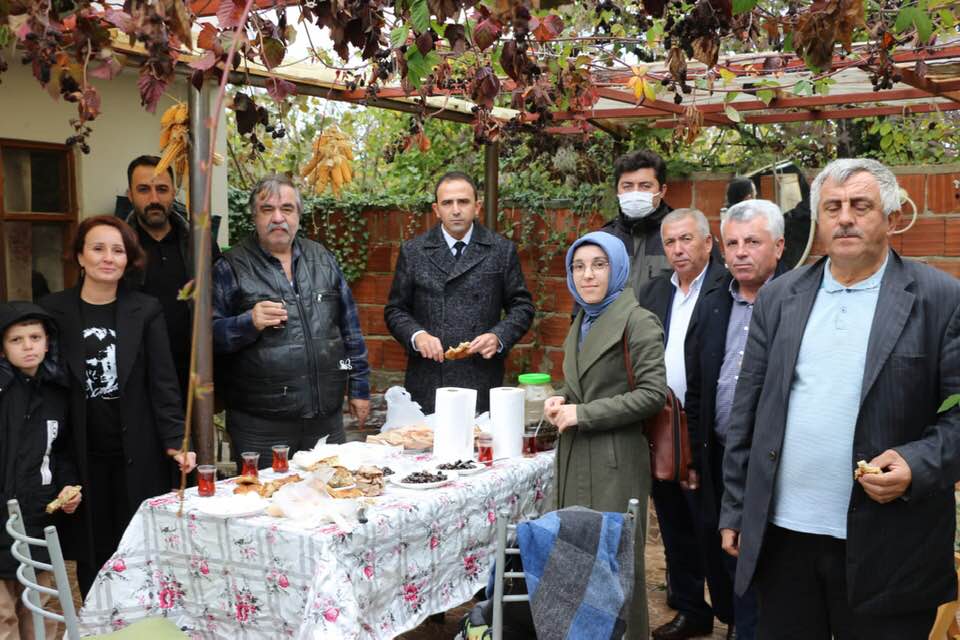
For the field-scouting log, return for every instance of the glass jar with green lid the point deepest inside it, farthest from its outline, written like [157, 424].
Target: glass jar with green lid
[536, 388]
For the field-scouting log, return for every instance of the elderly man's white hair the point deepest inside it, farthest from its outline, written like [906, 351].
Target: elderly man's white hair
[841, 170]
[747, 210]
[682, 214]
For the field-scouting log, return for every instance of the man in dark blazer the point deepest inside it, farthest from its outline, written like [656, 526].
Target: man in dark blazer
[848, 359]
[674, 297]
[752, 237]
[459, 282]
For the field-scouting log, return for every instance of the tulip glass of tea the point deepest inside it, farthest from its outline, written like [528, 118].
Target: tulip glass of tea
[206, 480]
[251, 461]
[485, 448]
[529, 442]
[280, 462]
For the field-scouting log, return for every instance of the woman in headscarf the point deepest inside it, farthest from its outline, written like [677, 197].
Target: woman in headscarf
[602, 455]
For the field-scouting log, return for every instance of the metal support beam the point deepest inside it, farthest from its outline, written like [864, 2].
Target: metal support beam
[911, 78]
[491, 184]
[200, 172]
[382, 101]
[833, 114]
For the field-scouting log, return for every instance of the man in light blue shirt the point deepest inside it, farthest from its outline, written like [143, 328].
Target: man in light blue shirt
[824, 403]
[847, 361]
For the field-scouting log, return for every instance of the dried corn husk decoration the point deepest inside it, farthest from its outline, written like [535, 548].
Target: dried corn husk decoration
[174, 140]
[331, 163]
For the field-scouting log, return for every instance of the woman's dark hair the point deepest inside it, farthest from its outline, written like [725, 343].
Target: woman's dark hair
[136, 257]
[739, 190]
[637, 160]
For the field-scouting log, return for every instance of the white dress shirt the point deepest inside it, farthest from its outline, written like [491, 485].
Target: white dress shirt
[680, 313]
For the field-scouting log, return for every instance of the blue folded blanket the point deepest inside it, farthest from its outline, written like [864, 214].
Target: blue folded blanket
[578, 565]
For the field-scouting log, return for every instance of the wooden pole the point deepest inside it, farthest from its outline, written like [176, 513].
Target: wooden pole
[491, 184]
[202, 374]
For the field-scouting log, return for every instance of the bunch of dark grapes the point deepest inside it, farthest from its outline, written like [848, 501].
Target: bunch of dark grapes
[276, 132]
[606, 5]
[81, 136]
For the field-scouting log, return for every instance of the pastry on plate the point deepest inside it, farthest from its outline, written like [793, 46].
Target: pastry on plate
[352, 492]
[341, 478]
[369, 480]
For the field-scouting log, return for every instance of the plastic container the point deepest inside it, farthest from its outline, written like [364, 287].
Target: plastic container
[536, 388]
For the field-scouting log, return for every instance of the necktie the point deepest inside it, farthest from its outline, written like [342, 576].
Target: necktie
[458, 249]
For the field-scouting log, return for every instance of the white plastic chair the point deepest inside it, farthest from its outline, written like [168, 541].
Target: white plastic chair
[500, 572]
[149, 629]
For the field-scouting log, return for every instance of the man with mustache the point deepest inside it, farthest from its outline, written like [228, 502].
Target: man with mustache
[847, 360]
[164, 235]
[287, 329]
[752, 242]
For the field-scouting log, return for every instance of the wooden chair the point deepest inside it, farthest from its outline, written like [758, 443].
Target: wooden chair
[148, 629]
[946, 627]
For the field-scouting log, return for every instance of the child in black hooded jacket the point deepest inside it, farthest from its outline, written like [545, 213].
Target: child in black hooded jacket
[37, 462]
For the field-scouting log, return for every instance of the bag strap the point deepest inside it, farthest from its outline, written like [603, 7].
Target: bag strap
[626, 361]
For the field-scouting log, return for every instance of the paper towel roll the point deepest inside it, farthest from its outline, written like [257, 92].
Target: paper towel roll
[455, 416]
[506, 421]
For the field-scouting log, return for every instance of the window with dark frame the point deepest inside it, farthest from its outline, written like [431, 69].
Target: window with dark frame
[38, 211]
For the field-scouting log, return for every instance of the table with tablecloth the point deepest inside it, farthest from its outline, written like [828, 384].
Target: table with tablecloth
[419, 553]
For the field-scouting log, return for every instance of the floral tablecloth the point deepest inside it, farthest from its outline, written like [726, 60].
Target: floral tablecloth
[420, 553]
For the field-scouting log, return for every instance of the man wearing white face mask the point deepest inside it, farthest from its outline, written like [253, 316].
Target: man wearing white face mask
[640, 179]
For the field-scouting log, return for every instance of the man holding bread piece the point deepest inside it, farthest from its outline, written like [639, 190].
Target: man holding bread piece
[459, 301]
[839, 469]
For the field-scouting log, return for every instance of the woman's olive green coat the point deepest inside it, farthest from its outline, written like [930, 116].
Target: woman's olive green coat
[605, 460]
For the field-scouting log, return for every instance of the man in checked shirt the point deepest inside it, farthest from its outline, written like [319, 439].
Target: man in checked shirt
[287, 331]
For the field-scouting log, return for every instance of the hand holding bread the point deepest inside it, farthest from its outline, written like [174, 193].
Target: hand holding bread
[68, 500]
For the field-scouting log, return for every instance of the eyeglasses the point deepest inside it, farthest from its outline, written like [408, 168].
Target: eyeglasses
[598, 266]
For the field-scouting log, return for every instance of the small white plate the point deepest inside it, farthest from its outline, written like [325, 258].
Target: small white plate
[235, 506]
[451, 476]
[478, 467]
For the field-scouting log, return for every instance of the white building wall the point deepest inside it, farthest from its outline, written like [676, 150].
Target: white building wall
[123, 131]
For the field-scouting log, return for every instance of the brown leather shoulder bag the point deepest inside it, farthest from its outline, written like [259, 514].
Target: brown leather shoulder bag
[666, 433]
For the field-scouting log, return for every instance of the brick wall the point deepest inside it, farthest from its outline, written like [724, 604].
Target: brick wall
[934, 238]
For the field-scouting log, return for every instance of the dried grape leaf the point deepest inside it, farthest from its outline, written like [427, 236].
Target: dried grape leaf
[546, 29]
[706, 49]
[456, 36]
[512, 61]
[272, 52]
[486, 33]
[279, 89]
[484, 87]
[229, 14]
[151, 89]
[444, 9]
[208, 38]
[424, 43]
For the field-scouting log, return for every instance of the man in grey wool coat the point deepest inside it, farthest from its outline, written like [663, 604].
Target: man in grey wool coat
[459, 282]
